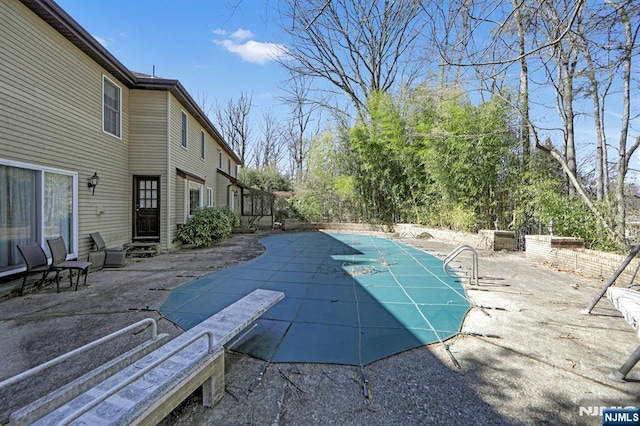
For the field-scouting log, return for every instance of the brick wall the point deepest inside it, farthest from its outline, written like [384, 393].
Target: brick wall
[498, 240]
[570, 254]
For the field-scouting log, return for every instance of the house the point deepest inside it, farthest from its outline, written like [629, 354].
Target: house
[72, 114]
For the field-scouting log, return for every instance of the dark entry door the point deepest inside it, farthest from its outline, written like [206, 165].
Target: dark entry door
[147, 207]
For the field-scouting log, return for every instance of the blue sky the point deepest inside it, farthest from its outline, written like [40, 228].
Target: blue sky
[216, 48]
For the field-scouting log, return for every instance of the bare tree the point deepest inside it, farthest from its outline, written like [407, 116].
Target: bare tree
[586, 50]
[234, 124]
[269, 150]
[523, 92]
[628, 16]
[353, 47]
[304, 113]
[599, 48]
[560, 68]
[600, 85]
[456, 28]
[204, 102]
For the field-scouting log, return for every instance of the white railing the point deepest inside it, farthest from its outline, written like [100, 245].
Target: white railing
[44, 366]
[74, 415]
[454, 254]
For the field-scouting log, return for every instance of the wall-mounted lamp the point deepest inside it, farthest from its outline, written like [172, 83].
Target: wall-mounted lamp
[93, 182]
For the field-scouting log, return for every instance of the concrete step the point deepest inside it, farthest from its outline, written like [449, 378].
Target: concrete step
[142, 248]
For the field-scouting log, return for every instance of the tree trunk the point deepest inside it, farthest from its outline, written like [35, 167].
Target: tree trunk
[524, 84]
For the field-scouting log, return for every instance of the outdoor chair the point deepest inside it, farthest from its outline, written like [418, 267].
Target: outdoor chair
[114, 257]
[36, 262]
[60, 264]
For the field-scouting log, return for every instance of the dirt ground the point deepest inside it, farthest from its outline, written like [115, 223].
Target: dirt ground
[525, 355]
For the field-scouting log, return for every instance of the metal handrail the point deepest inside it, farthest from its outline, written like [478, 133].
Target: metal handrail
[455, 253]
[73, 416]
[39, 368]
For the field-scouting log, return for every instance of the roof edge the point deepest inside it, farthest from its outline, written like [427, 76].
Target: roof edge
[61, 21]
[178, 90]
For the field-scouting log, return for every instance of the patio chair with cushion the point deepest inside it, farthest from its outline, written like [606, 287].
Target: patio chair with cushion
[59, 262]
[114, 256]
[36, 262]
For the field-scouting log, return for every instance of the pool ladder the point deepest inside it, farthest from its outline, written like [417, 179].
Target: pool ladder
[454, 254]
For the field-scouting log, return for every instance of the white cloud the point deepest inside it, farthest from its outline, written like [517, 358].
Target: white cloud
[241, 34]
[256, 52]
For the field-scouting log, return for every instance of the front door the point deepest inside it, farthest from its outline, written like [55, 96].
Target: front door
[147, 208]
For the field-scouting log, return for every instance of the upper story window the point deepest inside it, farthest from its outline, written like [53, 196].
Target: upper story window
[202, 142]
[184, 129]
[229, 165]
[112, 108]
[220, 159]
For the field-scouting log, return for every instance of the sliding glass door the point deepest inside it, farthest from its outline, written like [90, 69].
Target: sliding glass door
[35, 204]
[58, 207]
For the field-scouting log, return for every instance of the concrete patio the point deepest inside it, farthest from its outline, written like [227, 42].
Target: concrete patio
[528, 357]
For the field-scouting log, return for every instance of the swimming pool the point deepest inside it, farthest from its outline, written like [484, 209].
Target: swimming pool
[349, 299]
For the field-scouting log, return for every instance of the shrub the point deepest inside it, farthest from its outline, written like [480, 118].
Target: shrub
[233, 219]
[205, 227]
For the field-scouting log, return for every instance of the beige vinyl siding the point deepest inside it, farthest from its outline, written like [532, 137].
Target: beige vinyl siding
[186, 159]
[177, 155]
[190, 161]
[51, 115]
[222, 192]
[148, 132]
[180, 191]
[148, 151]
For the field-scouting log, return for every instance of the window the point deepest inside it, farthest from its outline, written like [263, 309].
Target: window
[195, 197]
[184, 129]
[229, 166]
[202, 140]
[209, 197]
[111, 111]
[220, 159]
[148, 193]
[35, 204]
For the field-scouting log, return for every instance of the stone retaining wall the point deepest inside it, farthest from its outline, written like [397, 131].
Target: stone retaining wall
[485, 240]
[569, 253]
[297, 225]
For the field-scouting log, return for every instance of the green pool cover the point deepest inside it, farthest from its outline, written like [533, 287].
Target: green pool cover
[349, 299]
